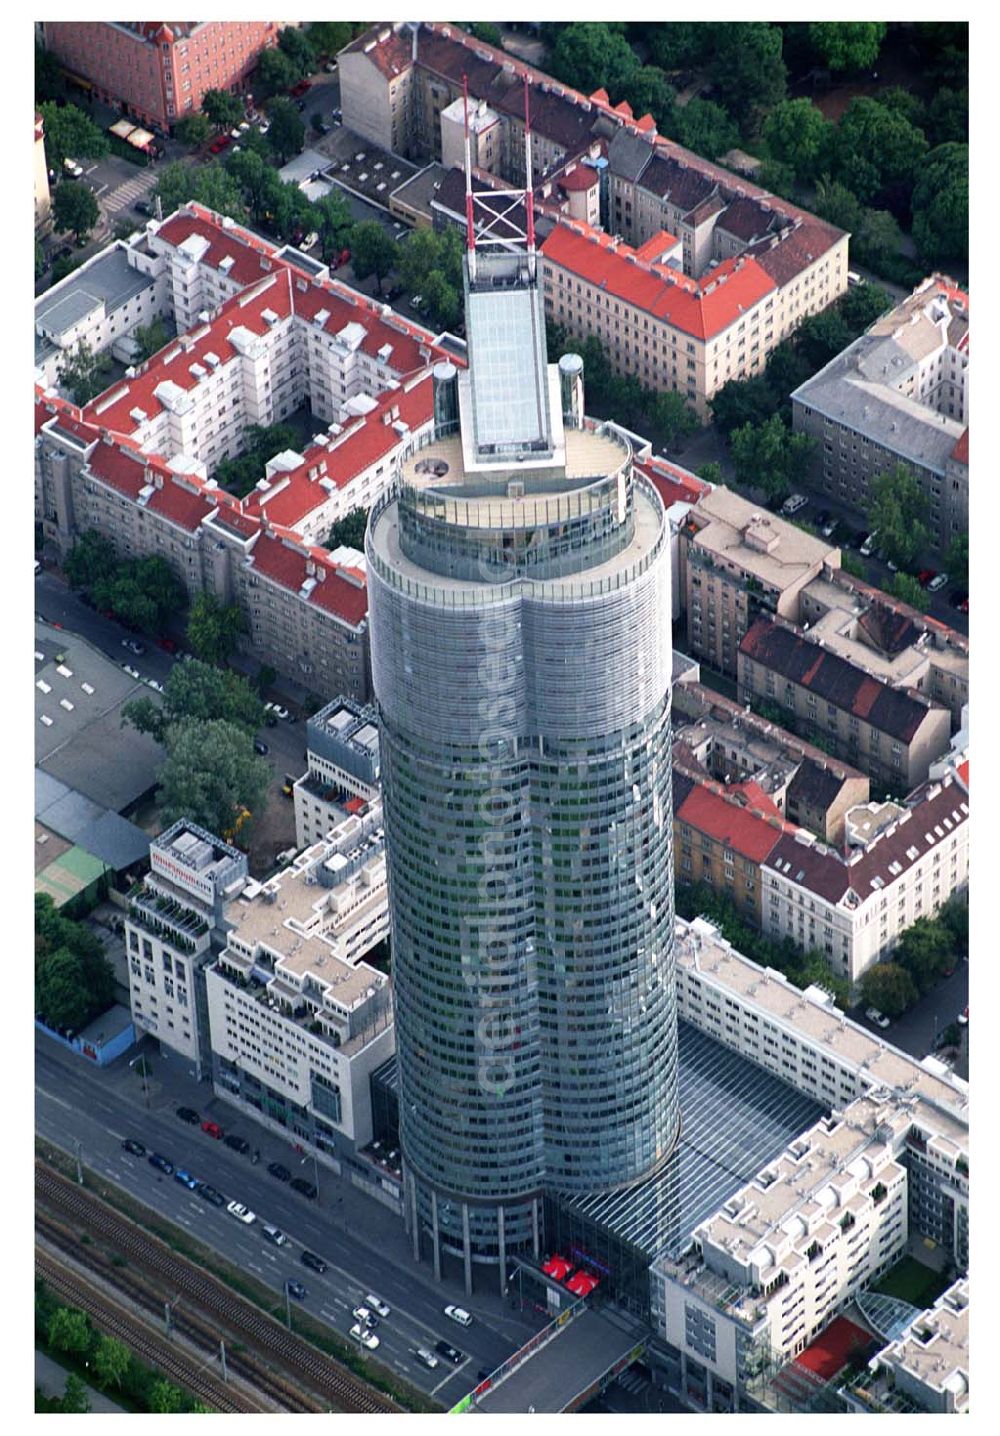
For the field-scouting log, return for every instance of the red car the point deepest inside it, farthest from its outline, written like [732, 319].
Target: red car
[925, 575]
[213, 1129]
[344, 257]
[218, 145]
[167, 644]
[300, 88]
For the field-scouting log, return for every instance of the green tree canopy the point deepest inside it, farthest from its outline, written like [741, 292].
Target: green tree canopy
[330, 36]
[349, 530]
[297, 44]
[82, 373]
[48, 75]
[165, 1398]
[748, 70]
[213, 630]
[742, 401]
[680, 43]
[862, 304]
[906, 588]
[954, 918]
[209, 184]
[821, 336]
[287, 134]
[91, 556]
[111, 1361]
[797, 133]
[838, 204]
[211, 774]
[74, 208]
[876, 146]
[332, 221]
[958, 560]
[947, 120]
[760, 456]
[673, 416]
[75, 1401]
[924, 950]
[847, 45]
[711, 473]
[373, 251]
[193, 130]
[898, 509]
[706, 128]
[590, 56]
[223, 109]
[441, 301]
[70, 134]
[650, 92]
[257, 180]
[888, 987]
[877, 237]
[941, 205]
[69, 1331]
[150, 338]
[199, 691]
[276, 72]
[261, 443]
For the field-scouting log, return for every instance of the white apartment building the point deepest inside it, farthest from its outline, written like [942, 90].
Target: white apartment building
[173, 916]
[109, 296]
[929, 1365]
[900, 862]
[771, 1268]
[342, 773]
[298, 1020]
[896, 1124]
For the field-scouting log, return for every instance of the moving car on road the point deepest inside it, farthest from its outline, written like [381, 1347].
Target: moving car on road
[427, 1357]
[241, 1213]
[273, 1234]
[366, 1318]
[185, 1179]
[210, 1194]
[311, 1260]
[213, 1130]
[459, 1314]
[162, 1164]
[366, 1337]
[450, 1353]
[377, 1304]
[296, 1289]
[189, 1115]
[136, 1148]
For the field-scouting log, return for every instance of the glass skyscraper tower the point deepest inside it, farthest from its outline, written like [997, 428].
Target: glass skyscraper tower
[519, 599]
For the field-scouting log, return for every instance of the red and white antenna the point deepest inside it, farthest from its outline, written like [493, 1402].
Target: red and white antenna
[470, 223]
[529, 191]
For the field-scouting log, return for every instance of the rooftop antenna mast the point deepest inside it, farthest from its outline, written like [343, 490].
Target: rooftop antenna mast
[470, 223]
[529, 191]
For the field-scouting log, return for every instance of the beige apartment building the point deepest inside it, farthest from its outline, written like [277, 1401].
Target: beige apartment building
[892, 734]
[737, 561]
[899, 863]
[929, 1365]
[898, 394]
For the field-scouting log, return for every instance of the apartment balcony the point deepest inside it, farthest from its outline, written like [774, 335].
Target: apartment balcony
[170, 921]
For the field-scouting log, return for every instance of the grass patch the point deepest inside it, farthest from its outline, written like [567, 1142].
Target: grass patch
[411, 1398]
[909, 1280]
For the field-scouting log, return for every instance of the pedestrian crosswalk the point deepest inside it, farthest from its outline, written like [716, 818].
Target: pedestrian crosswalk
[630, 1380]
[126, 194]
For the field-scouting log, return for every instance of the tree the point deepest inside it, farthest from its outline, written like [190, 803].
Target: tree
[287, 134]
[905, 103]
[852, 564]
[748, 71]
[276, 72]
[65, 266]
[742, 401]
[70, 134]
[441, 300]
[847, 45]
[924, 950]
[193, 130]
[261, 444]
[954, 918]
[590, 56]
[211, 775]
[165, 1398]
[776, 176]
[209, 184]
[835, 202]
[91, 556]
[888, 987]
[711, 473]
[75, 208]
[797, 133]
[297, 44]
[673, 416]
[486, 31]
[159, 584]
[861, 305]
[876, 146]
[373, 251]
[679, 44]
[41, 263]
[330, 36]
[75, 1401]
[760, 458]
[150, 338]
[958, 560]
[82, 373]
[349, 530]
[73, 980]
[111, 1361]
[418, 254]
[223, 109]
[60, 997]
[941, 205]
[650, 93]
[706, 128]
[48, 75]
[332, 221]
[821, 336]
[69, 1331]
[256, 179]
[196, 690]
[906, 588]
[898, 509]
[213, 628]
[877, 237]
[947, 119]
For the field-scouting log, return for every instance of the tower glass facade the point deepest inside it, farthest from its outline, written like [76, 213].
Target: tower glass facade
[521, 656]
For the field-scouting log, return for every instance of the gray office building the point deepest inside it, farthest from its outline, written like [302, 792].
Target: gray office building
[519, 593]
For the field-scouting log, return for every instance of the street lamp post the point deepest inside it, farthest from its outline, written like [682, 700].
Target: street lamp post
[145, 1086]
[79, 1164]
[315, 1162]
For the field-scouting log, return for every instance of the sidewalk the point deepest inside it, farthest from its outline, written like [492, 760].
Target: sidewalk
[51, 1377]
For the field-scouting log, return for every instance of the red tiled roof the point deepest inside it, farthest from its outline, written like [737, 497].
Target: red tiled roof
[579, 178]
[963, 773]
[698, 307]
[960, 453]
[181, 504]
[673, 484]
[657, 245]
[279, 557]
[739, 829]
[121, 467]
[338, 595]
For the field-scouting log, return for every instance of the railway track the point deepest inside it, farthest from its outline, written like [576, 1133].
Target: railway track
[305, 1368]
[148, 1345]
[150, 1294]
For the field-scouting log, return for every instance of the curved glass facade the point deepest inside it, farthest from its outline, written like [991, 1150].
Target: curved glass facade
[525, 708]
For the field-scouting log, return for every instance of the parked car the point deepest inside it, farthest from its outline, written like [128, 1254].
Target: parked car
[210, 1194]
[155, 684]
[260, 748]
[277, 1170]
[344, 257]
[449, 1352]
[300, 88]
[136, 1148]
[330, 67]
[162, 1164]
[868, 545]
[296, 1289]
[963, 1017]
[794, 504]
[937, 584]
[310, 241]
[73, 168]
[304, 1188]
[426, 1357]
[185, 1179]
[238, 1144]
[366, 1317]
[126, 667]
[241, 1213]
[829, 528]
[925, 575]
[366, 1337]
[134, 646]
[189, 1115]
[213, 1129]
[459, 1314]
[311, 1260]
[879, 1018]
[279, 712]
[143, 206]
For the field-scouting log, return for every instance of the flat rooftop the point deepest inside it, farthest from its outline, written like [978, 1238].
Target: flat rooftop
[936, 1349]
[107, 279]
[735, 1118]
[761, 543]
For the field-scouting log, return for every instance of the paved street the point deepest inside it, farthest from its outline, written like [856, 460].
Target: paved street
[364, 1243]
[51, 1377]
[917, 1031]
